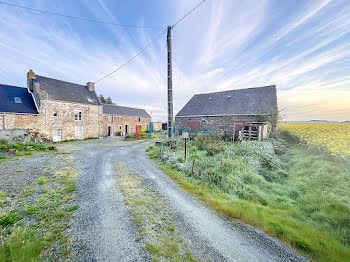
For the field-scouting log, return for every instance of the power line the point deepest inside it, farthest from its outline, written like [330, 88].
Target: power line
[150, 43]
[80, 18]
[132, 58]
[188, 13]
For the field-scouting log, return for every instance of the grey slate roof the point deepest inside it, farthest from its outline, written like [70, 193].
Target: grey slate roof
[124, 111]
[250, 101]
[7, 102]
[66, 91]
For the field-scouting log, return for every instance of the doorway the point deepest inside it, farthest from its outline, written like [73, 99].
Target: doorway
[57, 135]
[110, 131]
[126, 129]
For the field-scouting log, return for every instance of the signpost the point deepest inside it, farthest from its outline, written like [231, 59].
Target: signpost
[185, 136]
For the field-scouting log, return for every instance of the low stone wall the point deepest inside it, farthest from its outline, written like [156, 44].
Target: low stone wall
[15, 135]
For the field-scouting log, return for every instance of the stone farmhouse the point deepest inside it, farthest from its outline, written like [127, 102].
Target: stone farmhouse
[121, 120]
[223, 111]
[56, 110]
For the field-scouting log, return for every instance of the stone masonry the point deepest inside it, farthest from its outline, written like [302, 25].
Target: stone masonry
[119, 123]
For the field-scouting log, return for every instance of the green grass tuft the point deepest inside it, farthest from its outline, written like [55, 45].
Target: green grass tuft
[9, 219]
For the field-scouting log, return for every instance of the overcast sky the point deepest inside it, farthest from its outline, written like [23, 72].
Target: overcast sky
[303, 47]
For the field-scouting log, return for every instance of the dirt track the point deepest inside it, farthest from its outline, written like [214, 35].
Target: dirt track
[104, 230]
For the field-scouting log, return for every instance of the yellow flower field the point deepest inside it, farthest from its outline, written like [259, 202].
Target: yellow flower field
[333, 137]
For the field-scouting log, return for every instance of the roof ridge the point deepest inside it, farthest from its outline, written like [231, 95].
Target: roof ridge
[124, 106]
[12, 85]
[234, 90]
[61, 80]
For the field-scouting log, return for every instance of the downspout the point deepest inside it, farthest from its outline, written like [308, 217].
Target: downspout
[3, 122]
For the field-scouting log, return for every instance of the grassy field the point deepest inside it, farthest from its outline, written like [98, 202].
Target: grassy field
[292, 192]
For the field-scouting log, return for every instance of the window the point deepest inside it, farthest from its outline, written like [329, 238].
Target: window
[55, 114]
[120, 127]
[78, 130]
[78, 115]
[139, 119]
[110, 119]
[17, 100]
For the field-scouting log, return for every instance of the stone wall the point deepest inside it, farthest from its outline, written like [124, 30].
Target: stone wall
[15, 135]
[65, 120]
[157, 126]
[219, 124]
[21, 121]
[45, 123]
[119, 122]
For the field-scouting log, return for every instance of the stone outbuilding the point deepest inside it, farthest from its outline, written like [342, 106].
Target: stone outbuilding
[121, 120]
[17, 108]
[226, 111]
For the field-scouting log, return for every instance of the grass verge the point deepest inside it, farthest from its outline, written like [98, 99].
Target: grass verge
[298, 210]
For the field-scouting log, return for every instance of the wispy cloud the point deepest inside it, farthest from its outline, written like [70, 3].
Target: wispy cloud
[302, 47]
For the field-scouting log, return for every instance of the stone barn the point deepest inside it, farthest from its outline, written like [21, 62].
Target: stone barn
[225, 112]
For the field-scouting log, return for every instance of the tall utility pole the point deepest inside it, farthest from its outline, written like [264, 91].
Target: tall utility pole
[170, 87]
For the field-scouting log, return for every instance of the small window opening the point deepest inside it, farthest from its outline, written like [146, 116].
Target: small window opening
[18, 100]
[55, 114]
[78, 115]
[139, 119]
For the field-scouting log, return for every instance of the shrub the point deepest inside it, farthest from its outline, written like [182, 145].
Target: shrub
[215, 148]
[130, 137]
[3, 141]
[180, 159]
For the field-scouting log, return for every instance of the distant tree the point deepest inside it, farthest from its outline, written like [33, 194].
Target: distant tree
[109, 100]
[102, 99]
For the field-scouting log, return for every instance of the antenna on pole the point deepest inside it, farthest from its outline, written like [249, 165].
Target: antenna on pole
[170, 86]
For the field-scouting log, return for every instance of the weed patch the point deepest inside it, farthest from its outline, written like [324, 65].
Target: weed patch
[288, 191]
[35, 229]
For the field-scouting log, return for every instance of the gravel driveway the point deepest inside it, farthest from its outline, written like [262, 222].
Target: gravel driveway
[104, 230]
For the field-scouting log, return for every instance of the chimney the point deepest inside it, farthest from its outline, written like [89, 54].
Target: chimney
[30, 77]
[91, 86]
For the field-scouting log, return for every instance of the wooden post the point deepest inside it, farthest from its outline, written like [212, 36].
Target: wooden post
[185, 147]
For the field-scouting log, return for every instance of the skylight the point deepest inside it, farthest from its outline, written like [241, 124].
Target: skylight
[17, 100]
[89, 99]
